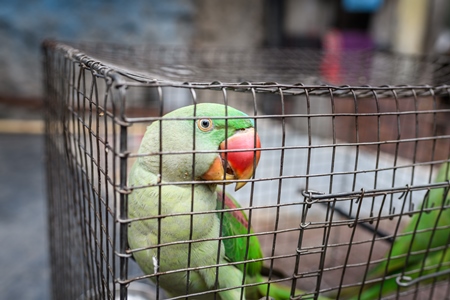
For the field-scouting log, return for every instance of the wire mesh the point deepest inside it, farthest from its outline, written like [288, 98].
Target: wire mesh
[348, 155]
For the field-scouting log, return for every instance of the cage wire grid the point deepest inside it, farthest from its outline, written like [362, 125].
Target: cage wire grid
[347, 157]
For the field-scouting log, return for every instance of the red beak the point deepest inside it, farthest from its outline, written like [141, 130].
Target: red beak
[236, 164]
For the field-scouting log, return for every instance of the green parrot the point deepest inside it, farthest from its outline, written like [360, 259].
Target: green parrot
[178, 224]
[422, 249]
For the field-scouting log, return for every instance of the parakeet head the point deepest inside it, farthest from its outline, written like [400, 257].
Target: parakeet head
[205, 124]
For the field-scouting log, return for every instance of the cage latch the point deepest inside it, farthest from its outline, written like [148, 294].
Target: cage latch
[406, 281]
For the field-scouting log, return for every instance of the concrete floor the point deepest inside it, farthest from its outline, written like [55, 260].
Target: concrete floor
[24, 262]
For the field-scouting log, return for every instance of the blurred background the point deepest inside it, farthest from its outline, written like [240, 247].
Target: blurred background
[405, 26]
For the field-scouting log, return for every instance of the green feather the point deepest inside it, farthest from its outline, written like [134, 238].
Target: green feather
[235, 223]
[422, 248]
[175, 133]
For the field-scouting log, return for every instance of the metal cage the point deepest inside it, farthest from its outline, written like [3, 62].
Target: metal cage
[351, 144]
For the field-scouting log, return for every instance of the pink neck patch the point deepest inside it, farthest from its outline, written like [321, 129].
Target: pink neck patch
[228, 203]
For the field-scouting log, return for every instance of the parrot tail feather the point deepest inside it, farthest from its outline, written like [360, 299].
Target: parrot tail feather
[281, 292]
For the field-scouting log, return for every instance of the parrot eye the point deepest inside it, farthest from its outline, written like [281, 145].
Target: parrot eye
[205, 124]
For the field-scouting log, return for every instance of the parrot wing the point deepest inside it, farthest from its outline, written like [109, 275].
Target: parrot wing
[235, 223]
[413, 251]
[435, 262]
[245, 248]
[427, 229]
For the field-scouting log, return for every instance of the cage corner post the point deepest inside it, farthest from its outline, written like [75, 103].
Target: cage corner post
[122, 207]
